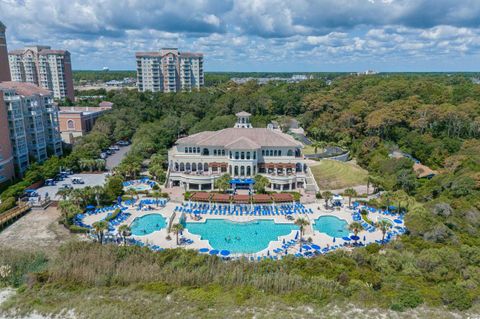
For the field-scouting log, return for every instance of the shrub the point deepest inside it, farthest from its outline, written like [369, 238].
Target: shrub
[78, 229]
[456, 297]
[187, 195]
[407, 299]
[156, 187]
[373, 248]
[7, 204]
[318, 195]
[113, 215]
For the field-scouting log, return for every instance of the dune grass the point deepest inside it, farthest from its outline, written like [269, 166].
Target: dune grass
[331, 174]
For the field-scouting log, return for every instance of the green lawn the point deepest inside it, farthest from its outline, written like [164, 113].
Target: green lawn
[309, 149]
[331, 174]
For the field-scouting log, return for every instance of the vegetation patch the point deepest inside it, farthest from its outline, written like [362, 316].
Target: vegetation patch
[330, 174]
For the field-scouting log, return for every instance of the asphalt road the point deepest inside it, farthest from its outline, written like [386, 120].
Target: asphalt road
[115, 159]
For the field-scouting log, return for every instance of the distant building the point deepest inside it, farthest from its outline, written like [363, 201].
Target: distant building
[296, 78]
[47, 68]
[4, 68]
[169, 71]
[32, 122]
[76, 121]
[7, 171]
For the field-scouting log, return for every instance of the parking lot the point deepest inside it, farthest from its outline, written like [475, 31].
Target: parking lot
[89, 179]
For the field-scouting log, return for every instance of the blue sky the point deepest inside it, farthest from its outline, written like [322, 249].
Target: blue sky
[257, 35]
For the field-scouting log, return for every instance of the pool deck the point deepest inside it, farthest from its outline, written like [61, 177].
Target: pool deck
[323, 240]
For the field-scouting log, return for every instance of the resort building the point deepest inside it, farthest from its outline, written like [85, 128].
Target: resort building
[75, 121]
[7, 171]
[4, 68]
[47, 68]
[169, 71]
[32, 123]
[196, 161]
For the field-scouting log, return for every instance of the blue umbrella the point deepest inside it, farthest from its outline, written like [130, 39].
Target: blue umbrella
[203, 250]
[213, 252]
[346, 238]
[283, 241]
[224, 253]
[268, 252]
[316, 247]
[296, 235]
[306, 247]
[90, 207]
[354, 237]
[334, 239]
[364, 238]
[398, 221]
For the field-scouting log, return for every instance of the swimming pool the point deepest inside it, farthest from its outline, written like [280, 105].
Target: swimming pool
[140, 187]
[147, 224]
[249, 237]
[332, 226]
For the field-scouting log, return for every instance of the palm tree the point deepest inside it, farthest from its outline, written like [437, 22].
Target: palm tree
[63, 193]
[125, 231]
[356, 227]
[156, 195]
[302, 223]
[97, 192]
[65, 207]
[318, 144]
[177, 229]
[99, 228]
[327, 195]
[369, 180]
[350, 192]
[132, 192]
[384, 225]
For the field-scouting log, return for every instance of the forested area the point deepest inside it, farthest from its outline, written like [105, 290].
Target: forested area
[434, 118]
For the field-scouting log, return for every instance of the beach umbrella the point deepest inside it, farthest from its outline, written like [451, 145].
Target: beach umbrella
[398, 221]
[296, 235]
[283, 241]
[213, 252]
[225, 253]
[353, 237]
[364, 238]
[268, 252]
[334, 239]
[316, 247]
[346, 238]
[203, 250]
[306, 247]
[90, 207]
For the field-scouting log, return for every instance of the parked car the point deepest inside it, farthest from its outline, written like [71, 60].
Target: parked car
[31, 193]
[103, 155]
[58, 178]
[66, 186]
[49, 182]
[77, 180]
[114, 148]
[123, 143]
[109, 152]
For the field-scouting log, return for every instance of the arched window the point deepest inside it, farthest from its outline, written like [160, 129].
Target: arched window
[271, 153]
[289, 153]
[187, 167]
[242, 155]
[236, 171]
[176, 166]
[206, 151]
[198, 149]
[249, 172]
[255, 155]
[200, 167]
[194, 167]
[248, 155]
[214, 152]
[182, 167]
[263, 152]
[236, 155]
[71, 125]
[190, 150]
[205, 167]
[223, 152]
[242, 170]
[298, 167]
[230, 170]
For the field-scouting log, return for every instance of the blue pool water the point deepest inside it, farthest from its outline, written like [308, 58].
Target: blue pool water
[140, 187]
[147, 224]
[332, 226]
[249, 237]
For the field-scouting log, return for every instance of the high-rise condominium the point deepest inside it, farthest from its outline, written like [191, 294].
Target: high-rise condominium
[4, 69]
[169, 71]
[47, 68]
[32, 123]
